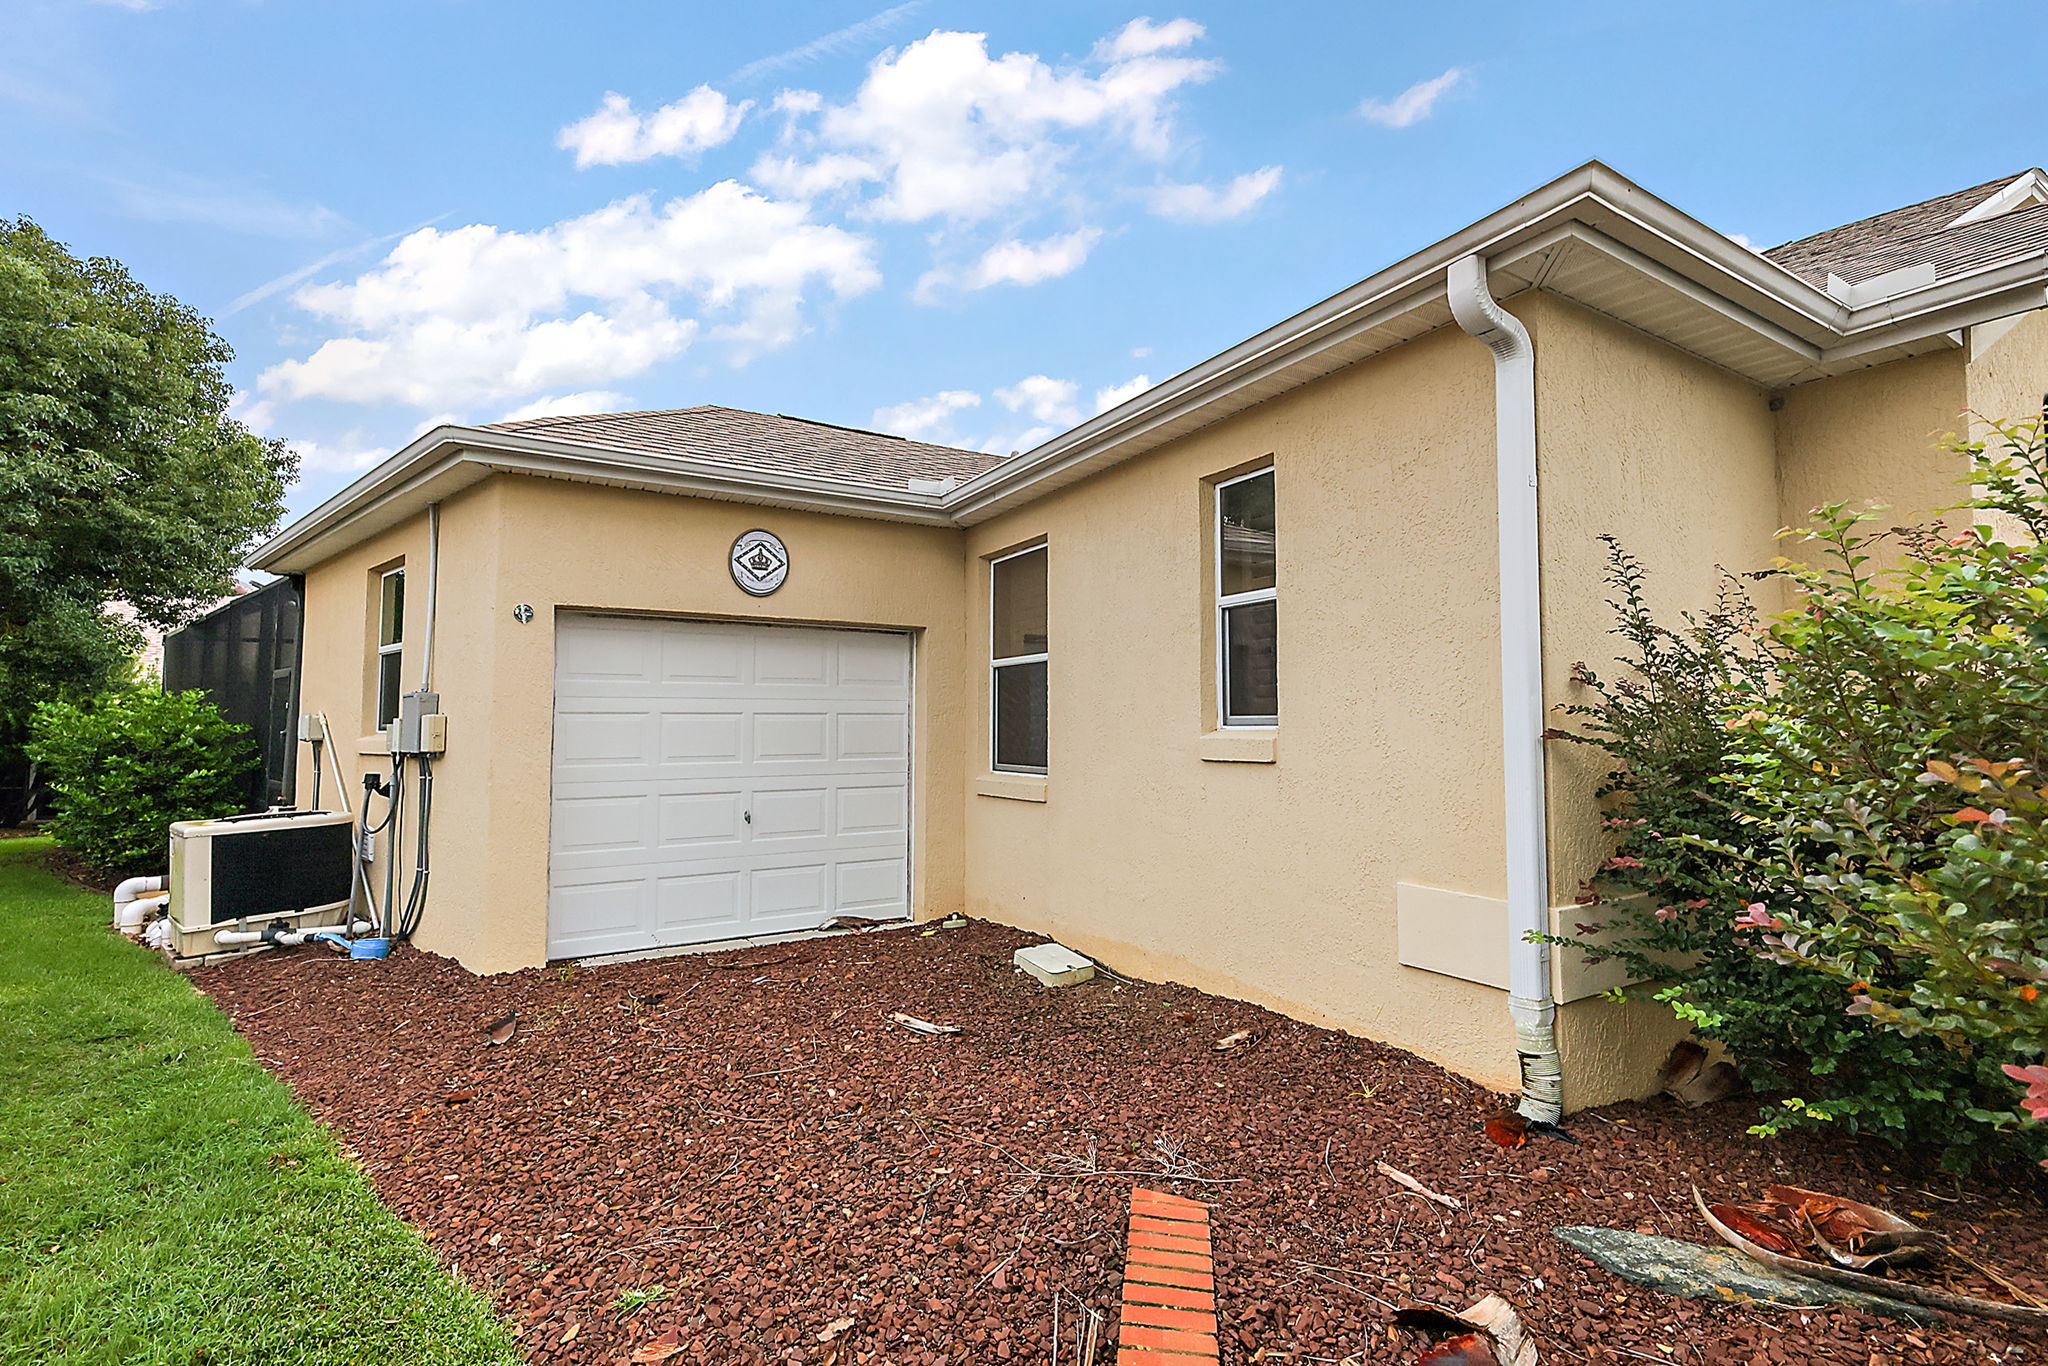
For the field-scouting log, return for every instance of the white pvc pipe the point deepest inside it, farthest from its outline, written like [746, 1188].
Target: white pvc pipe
[128, 893]
[433, 585]
[287, 938]
[1531, 1002]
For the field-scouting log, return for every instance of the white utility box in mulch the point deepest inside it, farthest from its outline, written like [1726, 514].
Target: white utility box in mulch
[1055, 965]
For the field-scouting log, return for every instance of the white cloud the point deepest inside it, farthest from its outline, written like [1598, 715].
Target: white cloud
[1110, 397]
[1207, 204]
[945, 131]
[616, 134]
[1046, 399]
[1140, 352]
[327, 457]
[1012, 262]
[1141, 38]
[478, 313]
[1414, 104]
[565, 405]
[927, 419]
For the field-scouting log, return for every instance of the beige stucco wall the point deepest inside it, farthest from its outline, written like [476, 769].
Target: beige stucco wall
[563, 546]
[1677, 459]
[1870, 437]
[1274, 882]
[1255, 867]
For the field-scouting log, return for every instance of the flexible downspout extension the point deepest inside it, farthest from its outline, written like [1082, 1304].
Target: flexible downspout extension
[1530, 1000]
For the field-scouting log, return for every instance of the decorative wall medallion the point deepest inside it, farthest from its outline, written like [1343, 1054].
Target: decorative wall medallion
[522, 613]
[760, 562]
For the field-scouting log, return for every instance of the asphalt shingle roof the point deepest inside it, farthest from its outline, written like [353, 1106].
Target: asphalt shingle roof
[763, 441]
[1919, 234]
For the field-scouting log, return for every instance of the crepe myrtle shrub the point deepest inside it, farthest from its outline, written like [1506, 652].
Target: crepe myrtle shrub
[125, 764]
[1838, 818]
[1663, 902]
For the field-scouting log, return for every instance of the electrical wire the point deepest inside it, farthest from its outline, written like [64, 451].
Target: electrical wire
[416, 897]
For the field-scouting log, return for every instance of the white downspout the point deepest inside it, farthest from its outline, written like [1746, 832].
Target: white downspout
[433, 594]
[1530, 1000]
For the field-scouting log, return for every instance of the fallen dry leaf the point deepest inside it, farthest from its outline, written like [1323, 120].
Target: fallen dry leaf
[655, 1351]
[834, 1329]
[1237, 1040]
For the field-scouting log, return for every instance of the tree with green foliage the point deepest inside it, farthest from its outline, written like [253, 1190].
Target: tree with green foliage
[122, 477]
[1837, 818]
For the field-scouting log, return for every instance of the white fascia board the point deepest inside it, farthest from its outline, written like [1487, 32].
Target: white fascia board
[449, 458]
[1591, 194]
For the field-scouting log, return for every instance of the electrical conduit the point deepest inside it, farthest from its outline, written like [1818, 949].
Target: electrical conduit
[1531, 1002]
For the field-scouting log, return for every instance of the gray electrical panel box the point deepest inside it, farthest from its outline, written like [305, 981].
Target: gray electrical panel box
[420, 727]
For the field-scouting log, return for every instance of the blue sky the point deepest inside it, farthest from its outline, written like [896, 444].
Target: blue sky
[970, 222]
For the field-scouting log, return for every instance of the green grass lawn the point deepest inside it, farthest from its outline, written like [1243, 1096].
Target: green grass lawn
[164, 1199]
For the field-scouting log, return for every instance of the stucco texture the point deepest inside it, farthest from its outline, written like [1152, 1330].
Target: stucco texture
[561, 546]
[1676, 459]
[1259, 865]
[1274, 882]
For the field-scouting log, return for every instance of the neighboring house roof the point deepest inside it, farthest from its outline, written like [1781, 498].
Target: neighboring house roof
[763, 441]
[1591, 236]
[1945, 232]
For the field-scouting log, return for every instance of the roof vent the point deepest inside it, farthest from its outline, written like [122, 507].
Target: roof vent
[1892, 283]
[2031, 188]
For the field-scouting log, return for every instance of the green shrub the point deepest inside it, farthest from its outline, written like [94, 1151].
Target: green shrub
[1836, 820]
[126, 764]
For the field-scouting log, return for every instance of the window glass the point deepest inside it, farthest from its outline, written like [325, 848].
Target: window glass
[1251, 674]
[390, 644]
[1018, 593]
[391, 609]
[1018, 642]
[1245, 514]
[389, 686]
[1020, 704]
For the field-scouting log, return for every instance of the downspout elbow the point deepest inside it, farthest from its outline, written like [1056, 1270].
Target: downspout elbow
[1531, 1003]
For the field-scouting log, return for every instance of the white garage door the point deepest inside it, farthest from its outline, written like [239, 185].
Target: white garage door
[715, 780]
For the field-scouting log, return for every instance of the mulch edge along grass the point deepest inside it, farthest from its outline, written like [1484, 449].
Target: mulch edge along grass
[162, 1197]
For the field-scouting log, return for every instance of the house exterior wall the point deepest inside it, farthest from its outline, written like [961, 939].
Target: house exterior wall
[1271, 881]
[1677, 459]
[561, 546]
[1870, 436]
[1267, 866]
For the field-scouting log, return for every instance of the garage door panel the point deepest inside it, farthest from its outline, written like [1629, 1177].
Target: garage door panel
[610, 911]
[697, 901]
[699, 738]
[698, 820]
[668, 733]
[788, 738]
[793, 813]
[879, 810]
[871, 735]
[798, 890]
[594, 824]
[706, 659]
[595, 738]
[874, 887]
[794, 659]
[609, 651]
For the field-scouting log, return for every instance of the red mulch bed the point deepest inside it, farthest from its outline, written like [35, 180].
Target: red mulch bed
[747, 1131]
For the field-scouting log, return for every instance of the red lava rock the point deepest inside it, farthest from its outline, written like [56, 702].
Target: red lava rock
[765, 1148]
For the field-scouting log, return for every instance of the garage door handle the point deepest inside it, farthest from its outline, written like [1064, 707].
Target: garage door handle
[747, 816]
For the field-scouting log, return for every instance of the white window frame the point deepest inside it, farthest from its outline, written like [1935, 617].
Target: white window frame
[1224, 601]
[396, 647]
[996, 665]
